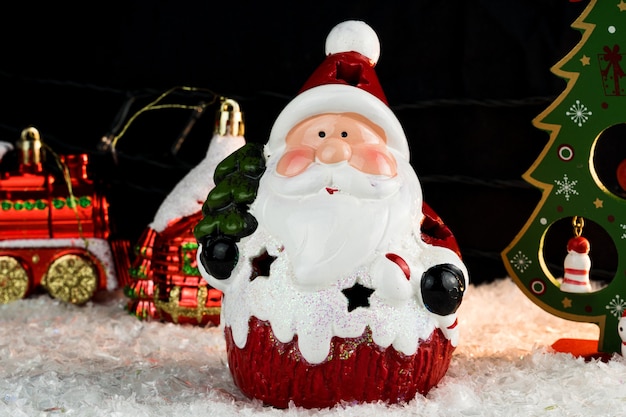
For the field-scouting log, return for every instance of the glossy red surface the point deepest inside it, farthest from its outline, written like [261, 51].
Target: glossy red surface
[357, 370]
[36, 204]
[435, 232]
[167, 284]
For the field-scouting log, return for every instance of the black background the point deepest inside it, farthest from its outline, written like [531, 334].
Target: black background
[465, 77]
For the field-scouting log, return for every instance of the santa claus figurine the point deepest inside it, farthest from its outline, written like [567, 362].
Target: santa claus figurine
[339, 284]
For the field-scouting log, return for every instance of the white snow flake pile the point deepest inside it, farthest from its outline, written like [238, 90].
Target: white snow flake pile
[97, 360]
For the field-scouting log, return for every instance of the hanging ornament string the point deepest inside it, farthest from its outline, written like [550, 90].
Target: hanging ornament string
[195, 115]
[157, 105]
[71, 202]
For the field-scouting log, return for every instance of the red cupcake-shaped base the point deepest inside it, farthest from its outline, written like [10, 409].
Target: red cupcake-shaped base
[356, 371]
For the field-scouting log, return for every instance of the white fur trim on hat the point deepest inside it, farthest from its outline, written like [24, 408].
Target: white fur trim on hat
[337, 98]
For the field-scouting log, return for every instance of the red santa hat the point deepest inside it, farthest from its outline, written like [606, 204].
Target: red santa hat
[345, 82]
[578, 244]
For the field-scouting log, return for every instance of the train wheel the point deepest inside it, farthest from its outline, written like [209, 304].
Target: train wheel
[13, 280]
[71, 278]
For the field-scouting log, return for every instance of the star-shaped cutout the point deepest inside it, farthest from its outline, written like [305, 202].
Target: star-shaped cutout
[261, 265]
[358, 296]
[567, 302]
[598, 203]
[351, 74]
[622, 6]
[585, 60]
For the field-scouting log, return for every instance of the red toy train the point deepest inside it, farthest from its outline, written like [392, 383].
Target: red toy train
[54, 229]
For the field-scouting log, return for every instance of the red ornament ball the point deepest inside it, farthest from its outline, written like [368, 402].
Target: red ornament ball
[621, 174]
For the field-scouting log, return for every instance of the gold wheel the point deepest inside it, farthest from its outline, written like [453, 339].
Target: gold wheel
[71, 278]
[13, 280]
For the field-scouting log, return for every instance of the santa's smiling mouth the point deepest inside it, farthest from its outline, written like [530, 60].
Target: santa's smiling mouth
[332, 190]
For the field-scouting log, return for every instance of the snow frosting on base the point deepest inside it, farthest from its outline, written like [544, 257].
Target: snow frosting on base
[187, 197]
[317, 316]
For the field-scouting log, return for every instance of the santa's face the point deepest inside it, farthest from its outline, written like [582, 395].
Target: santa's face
[335, 196]
[333, 138]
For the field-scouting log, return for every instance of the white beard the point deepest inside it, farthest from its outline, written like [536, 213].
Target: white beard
[328, 235]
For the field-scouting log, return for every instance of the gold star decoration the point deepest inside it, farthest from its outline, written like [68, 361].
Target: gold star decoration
[622, 6]
[567, 302]
[585, 60]
[598, 203]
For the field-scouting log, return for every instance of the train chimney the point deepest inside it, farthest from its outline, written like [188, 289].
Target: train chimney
[29, 151]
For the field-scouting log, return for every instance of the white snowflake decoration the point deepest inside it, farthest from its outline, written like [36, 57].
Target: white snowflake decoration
[616, 306]
[520, 261]
[623, 226]
[566, 187]
[579, 113]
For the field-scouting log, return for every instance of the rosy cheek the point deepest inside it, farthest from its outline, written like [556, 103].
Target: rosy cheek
[371, 160]
[295, 161]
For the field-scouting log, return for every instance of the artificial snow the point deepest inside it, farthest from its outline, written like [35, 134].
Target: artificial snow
[98, 360]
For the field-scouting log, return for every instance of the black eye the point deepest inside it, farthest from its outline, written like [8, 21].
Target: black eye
[322, 134]
[344, 134]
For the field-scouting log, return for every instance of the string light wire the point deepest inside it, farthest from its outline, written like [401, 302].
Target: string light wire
[154, 105]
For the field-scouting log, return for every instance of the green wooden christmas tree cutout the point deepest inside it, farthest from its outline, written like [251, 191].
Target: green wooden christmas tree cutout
[573, 181]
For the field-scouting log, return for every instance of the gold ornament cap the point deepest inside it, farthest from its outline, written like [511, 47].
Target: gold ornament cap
[29, 146]
[229, 119]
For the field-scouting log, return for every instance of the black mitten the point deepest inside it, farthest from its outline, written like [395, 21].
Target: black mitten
[442, 289]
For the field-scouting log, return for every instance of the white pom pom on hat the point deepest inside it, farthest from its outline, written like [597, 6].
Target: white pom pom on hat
[344, 82]
[354, 36]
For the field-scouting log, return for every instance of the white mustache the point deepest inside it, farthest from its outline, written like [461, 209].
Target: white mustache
[340, 177]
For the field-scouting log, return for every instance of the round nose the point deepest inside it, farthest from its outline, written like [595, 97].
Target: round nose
[333, 150]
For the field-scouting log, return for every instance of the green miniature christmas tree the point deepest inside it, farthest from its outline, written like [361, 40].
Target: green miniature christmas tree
[226, 217]
[581, 181]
